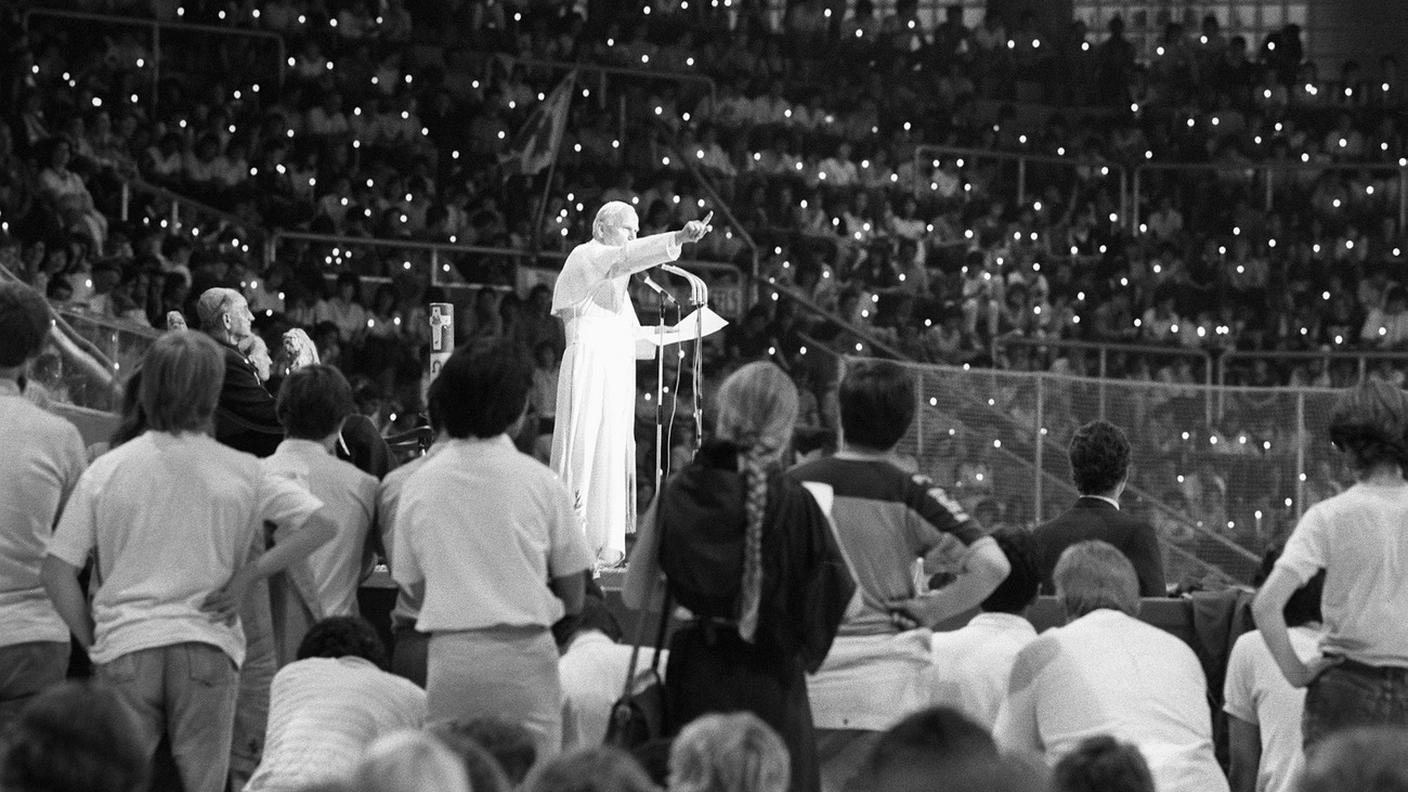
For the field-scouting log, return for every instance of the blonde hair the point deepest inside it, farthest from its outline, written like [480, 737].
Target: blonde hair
[410, 761]
[1093, 575]
[182, 374]
[736, 752]
[757, 409]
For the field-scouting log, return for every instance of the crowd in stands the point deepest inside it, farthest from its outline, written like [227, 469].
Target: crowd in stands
[382, 124]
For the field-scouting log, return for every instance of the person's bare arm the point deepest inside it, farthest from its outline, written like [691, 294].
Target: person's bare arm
[984, 568]
[1244, 751]
[61, 584]
[572, 590]
[1271, 621]
[224, 603]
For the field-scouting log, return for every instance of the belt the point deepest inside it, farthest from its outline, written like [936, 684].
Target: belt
[714, 628]
[1379, 672]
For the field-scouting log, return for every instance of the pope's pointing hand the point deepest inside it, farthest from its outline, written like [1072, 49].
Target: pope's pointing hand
[695, 230]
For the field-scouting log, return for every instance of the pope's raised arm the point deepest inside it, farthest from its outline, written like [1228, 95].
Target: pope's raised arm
[616, 252]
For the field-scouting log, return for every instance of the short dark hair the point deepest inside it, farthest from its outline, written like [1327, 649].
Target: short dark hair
[343, 636]
[1015, 593]
[313, 402]
[482, 389]
[1303, 606]
[182, 374]
[511, 744]
[939, 746]
[24, 324]
[1099, 454]
[1102, 764]
[1369, 422]
[76, 736]
[877, 404]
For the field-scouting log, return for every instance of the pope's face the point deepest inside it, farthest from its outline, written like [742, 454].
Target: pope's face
[628, 230]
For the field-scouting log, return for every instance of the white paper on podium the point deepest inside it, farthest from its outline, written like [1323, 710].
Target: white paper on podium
[698, 324]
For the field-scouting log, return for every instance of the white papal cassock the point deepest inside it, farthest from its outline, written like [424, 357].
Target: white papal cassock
[593, 441]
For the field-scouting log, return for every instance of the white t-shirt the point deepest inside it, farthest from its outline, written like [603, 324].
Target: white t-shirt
[1257, 692]
[323, 713]
[170, 518]
[1358, 538]
[972, 665]
[593, 674]
[42, 461]
[486, 527]
[349, 497]
[388, 501]
[1110, 673]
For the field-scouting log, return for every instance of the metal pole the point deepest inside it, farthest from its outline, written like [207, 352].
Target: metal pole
[1134, 207]
[1207, 389]
[1040, 443]
[1021, 181]
[1124, 197]
[1300, 454]
[126, 199]
[919, 418]
[434, 266]
[1103, 355]
[1402, 199]
[156, 65]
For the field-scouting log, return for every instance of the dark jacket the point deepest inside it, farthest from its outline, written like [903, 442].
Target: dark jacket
[245, 418]
[1092, 518]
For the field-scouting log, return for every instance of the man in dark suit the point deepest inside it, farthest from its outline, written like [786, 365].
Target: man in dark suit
[1099, 455]
[245, 418]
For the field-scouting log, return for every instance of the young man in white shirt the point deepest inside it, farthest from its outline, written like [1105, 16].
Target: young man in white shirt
[171, 517]
[313, 403]
[972, 665]
[1264, 710]
[330, 704]
[491, 535]
[42, 462]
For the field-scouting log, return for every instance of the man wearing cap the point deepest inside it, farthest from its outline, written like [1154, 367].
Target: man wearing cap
[245, 419]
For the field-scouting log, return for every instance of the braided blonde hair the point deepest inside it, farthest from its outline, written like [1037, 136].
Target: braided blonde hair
[757, 408]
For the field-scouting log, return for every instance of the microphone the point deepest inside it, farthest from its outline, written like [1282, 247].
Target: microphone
[658, 289]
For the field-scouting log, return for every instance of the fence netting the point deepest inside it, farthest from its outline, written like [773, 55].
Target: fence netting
[1221, 473]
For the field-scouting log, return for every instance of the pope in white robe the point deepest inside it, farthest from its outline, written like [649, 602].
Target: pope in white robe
[593, 443]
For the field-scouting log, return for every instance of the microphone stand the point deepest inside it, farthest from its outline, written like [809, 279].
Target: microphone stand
[698, 299]
[660, 395]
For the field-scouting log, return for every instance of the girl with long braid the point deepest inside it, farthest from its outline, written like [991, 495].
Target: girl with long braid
[749, 555]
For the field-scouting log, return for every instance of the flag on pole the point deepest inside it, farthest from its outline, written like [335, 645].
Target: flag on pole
[535, 145]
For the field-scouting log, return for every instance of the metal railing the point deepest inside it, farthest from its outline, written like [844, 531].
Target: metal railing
[1267, 171]
[1360, 358]
[603, 72]
[932, 155]
[438, 253]
[91, 351]
[176, 203]
[156, 27]
[733, 225]
[1009, 430]
[1103, 353]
